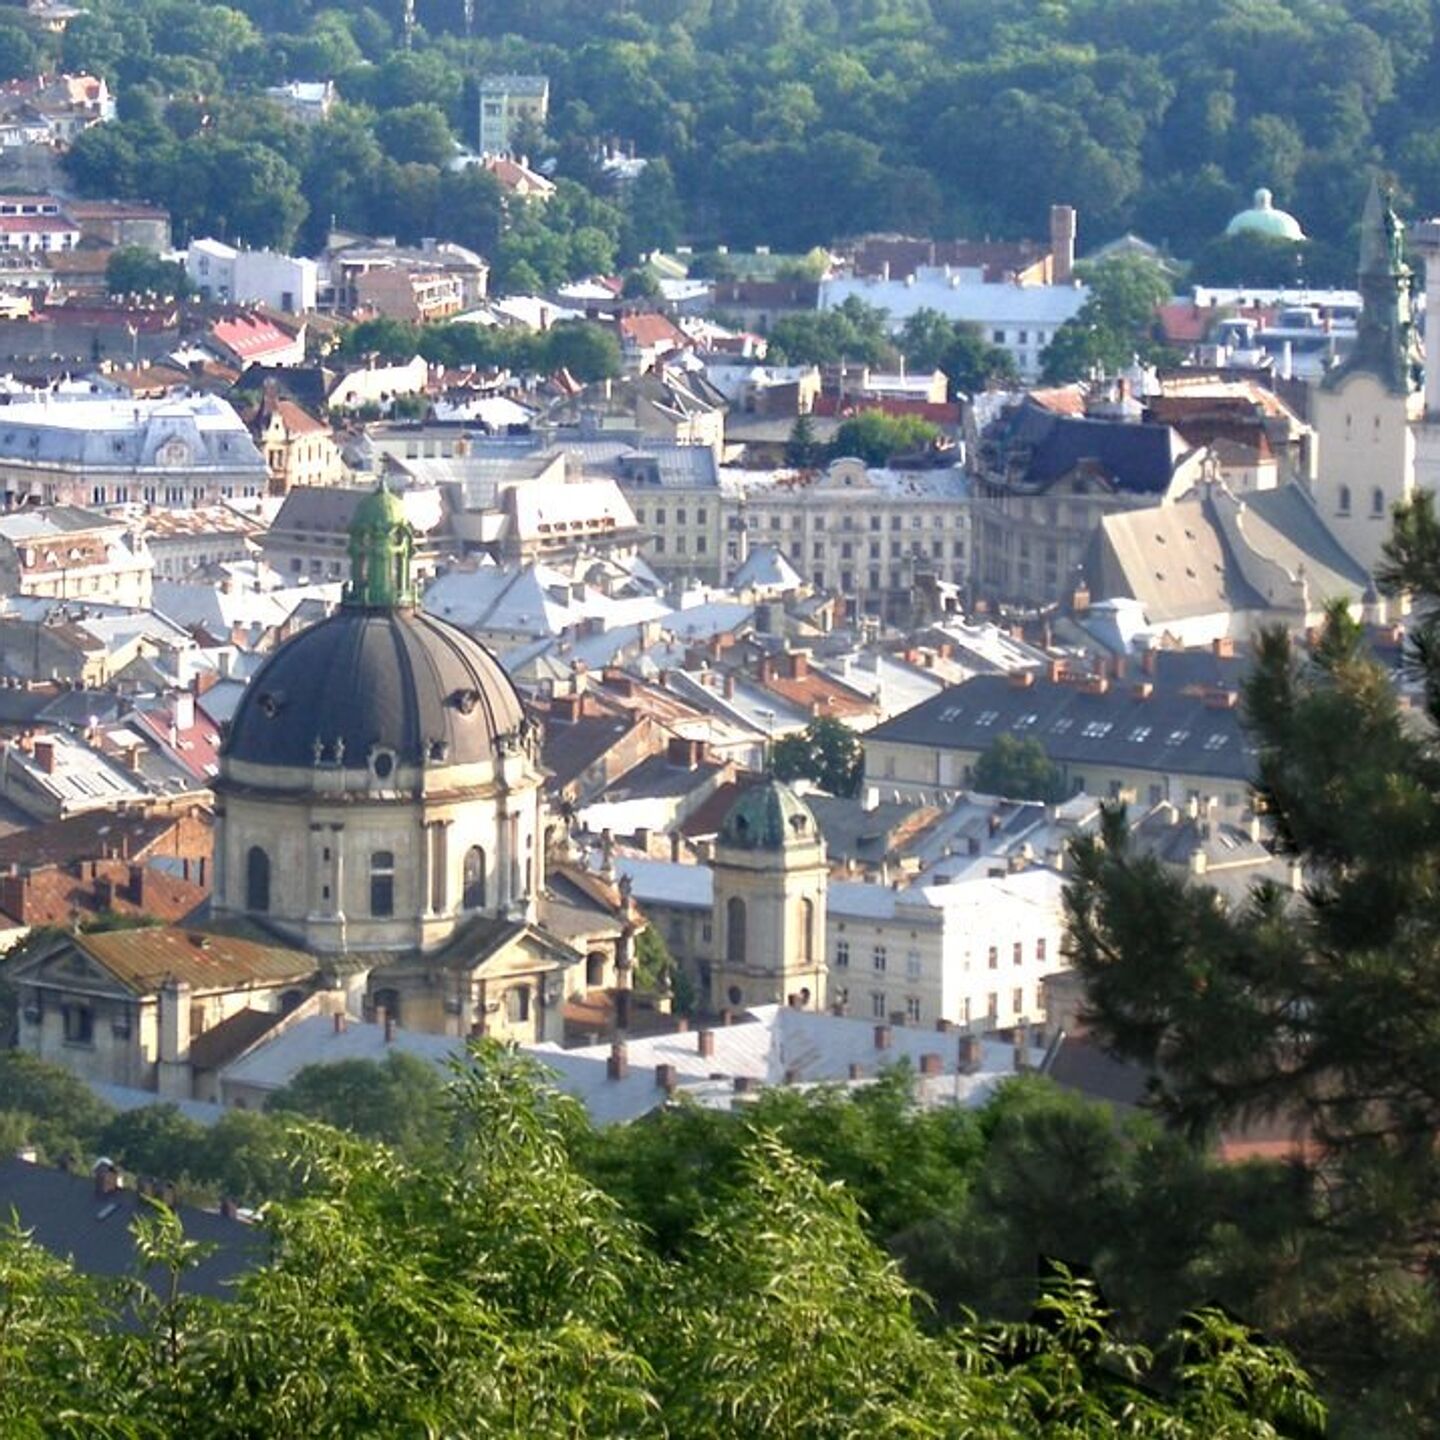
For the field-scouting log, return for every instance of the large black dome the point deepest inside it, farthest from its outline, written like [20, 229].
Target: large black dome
[393, 678]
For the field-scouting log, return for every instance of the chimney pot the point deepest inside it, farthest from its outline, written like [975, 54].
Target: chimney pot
[857, 1070]
[338, 1021]
[617, 1067]
[665, 1077]
[705, 1043]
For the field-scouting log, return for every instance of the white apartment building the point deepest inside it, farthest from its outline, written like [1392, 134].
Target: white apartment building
[973, 952]
[225, 275]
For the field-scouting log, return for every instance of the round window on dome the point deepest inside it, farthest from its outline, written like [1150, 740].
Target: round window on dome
[383, 764]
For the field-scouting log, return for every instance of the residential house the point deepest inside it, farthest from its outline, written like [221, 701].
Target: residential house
[299, 450]
[65, 553]
[180, 541]
[226, 275]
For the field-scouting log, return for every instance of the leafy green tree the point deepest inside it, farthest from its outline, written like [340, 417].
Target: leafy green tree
[1115, 323]
[415, 134]
[130, 270]
[802, 449]
[641, 283]
[588, 351]
[154, 1140]
[1019, 769]
[64, 1117]
[972, 364]
[877, 437]
[1250, 259]
[399, 1100]
[852, 331]
[826, 751]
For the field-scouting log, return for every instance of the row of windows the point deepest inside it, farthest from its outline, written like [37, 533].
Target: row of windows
[702, 545]
[701, 516]
[382, 882]
[1017, 953]
[1377, 501]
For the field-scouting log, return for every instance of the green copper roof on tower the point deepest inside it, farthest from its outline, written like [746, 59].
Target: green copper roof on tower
[382, 546]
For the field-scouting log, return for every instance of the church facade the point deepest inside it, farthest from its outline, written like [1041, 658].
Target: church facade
[380, 804]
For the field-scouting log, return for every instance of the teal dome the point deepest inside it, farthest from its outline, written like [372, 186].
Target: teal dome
[769, 816]
[1264, 219]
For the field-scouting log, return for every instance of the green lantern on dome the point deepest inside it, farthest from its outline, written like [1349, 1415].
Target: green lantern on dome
[382, 547]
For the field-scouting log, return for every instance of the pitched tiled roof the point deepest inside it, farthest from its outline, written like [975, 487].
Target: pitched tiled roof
[145, 959]
[55, 896]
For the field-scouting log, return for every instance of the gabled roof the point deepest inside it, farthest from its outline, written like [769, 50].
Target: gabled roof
[143, 960]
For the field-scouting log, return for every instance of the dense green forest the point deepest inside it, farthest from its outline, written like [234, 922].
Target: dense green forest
[782, 122]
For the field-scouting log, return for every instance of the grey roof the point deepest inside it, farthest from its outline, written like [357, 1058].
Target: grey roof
[105, 434]
[1176, 729]
[767, 568]
[66, 1216]
[1139, 459]
[394, 678]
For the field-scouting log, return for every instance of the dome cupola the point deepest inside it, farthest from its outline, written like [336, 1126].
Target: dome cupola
[1262, 218]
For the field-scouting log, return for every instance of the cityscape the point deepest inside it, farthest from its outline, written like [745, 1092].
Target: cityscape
[719, 720]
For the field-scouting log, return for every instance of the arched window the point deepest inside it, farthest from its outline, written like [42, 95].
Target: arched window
[257, 879]
[735, 930]
[1377, 501]
[807, 929]
[472, 895]
[382, 883]
[1344, 500]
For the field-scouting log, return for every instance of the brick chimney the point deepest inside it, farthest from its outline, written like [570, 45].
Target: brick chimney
[617, 1067]
[797, 664]
[135, 886]
[45, 755]
[665, 1078]
[705, 1043]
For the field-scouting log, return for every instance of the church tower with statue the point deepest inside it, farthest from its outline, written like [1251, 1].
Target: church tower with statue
[380, 804]
[1366, 409]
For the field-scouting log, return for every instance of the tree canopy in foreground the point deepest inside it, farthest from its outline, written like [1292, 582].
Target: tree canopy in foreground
[496, 1290]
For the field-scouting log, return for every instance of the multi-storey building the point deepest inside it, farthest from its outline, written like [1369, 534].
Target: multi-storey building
[180, 451]
[508, 104]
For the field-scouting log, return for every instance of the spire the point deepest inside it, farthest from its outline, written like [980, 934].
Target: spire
[1385, 341]
[382, 545]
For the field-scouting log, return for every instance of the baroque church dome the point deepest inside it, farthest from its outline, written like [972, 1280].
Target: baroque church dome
[379, 684]
[1264, 219]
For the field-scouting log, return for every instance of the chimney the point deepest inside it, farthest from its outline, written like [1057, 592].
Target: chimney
[675, 847]
[229, 1209]
[1062, 244]
[798, 664]
[705, 1043]
[882, 1037]
[727, 1016]
[1054, 671]
[765, 670]
[1022, 679]
[932, 1064]
[746, 1084]
[135, 886]
[857, 1070]
[45, 755]
[175, 1023]
[682, 1024]
[1142, 689]
[972, 1054]
[617, 1067]
[184, 710]
[1022, 1048]
[1223, 647]
[665, 1078]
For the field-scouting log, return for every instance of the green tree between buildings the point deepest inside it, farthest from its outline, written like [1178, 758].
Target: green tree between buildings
[1114, 325]
[876, 438]
[826, 751]
[1019, 769]
[129, 270]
